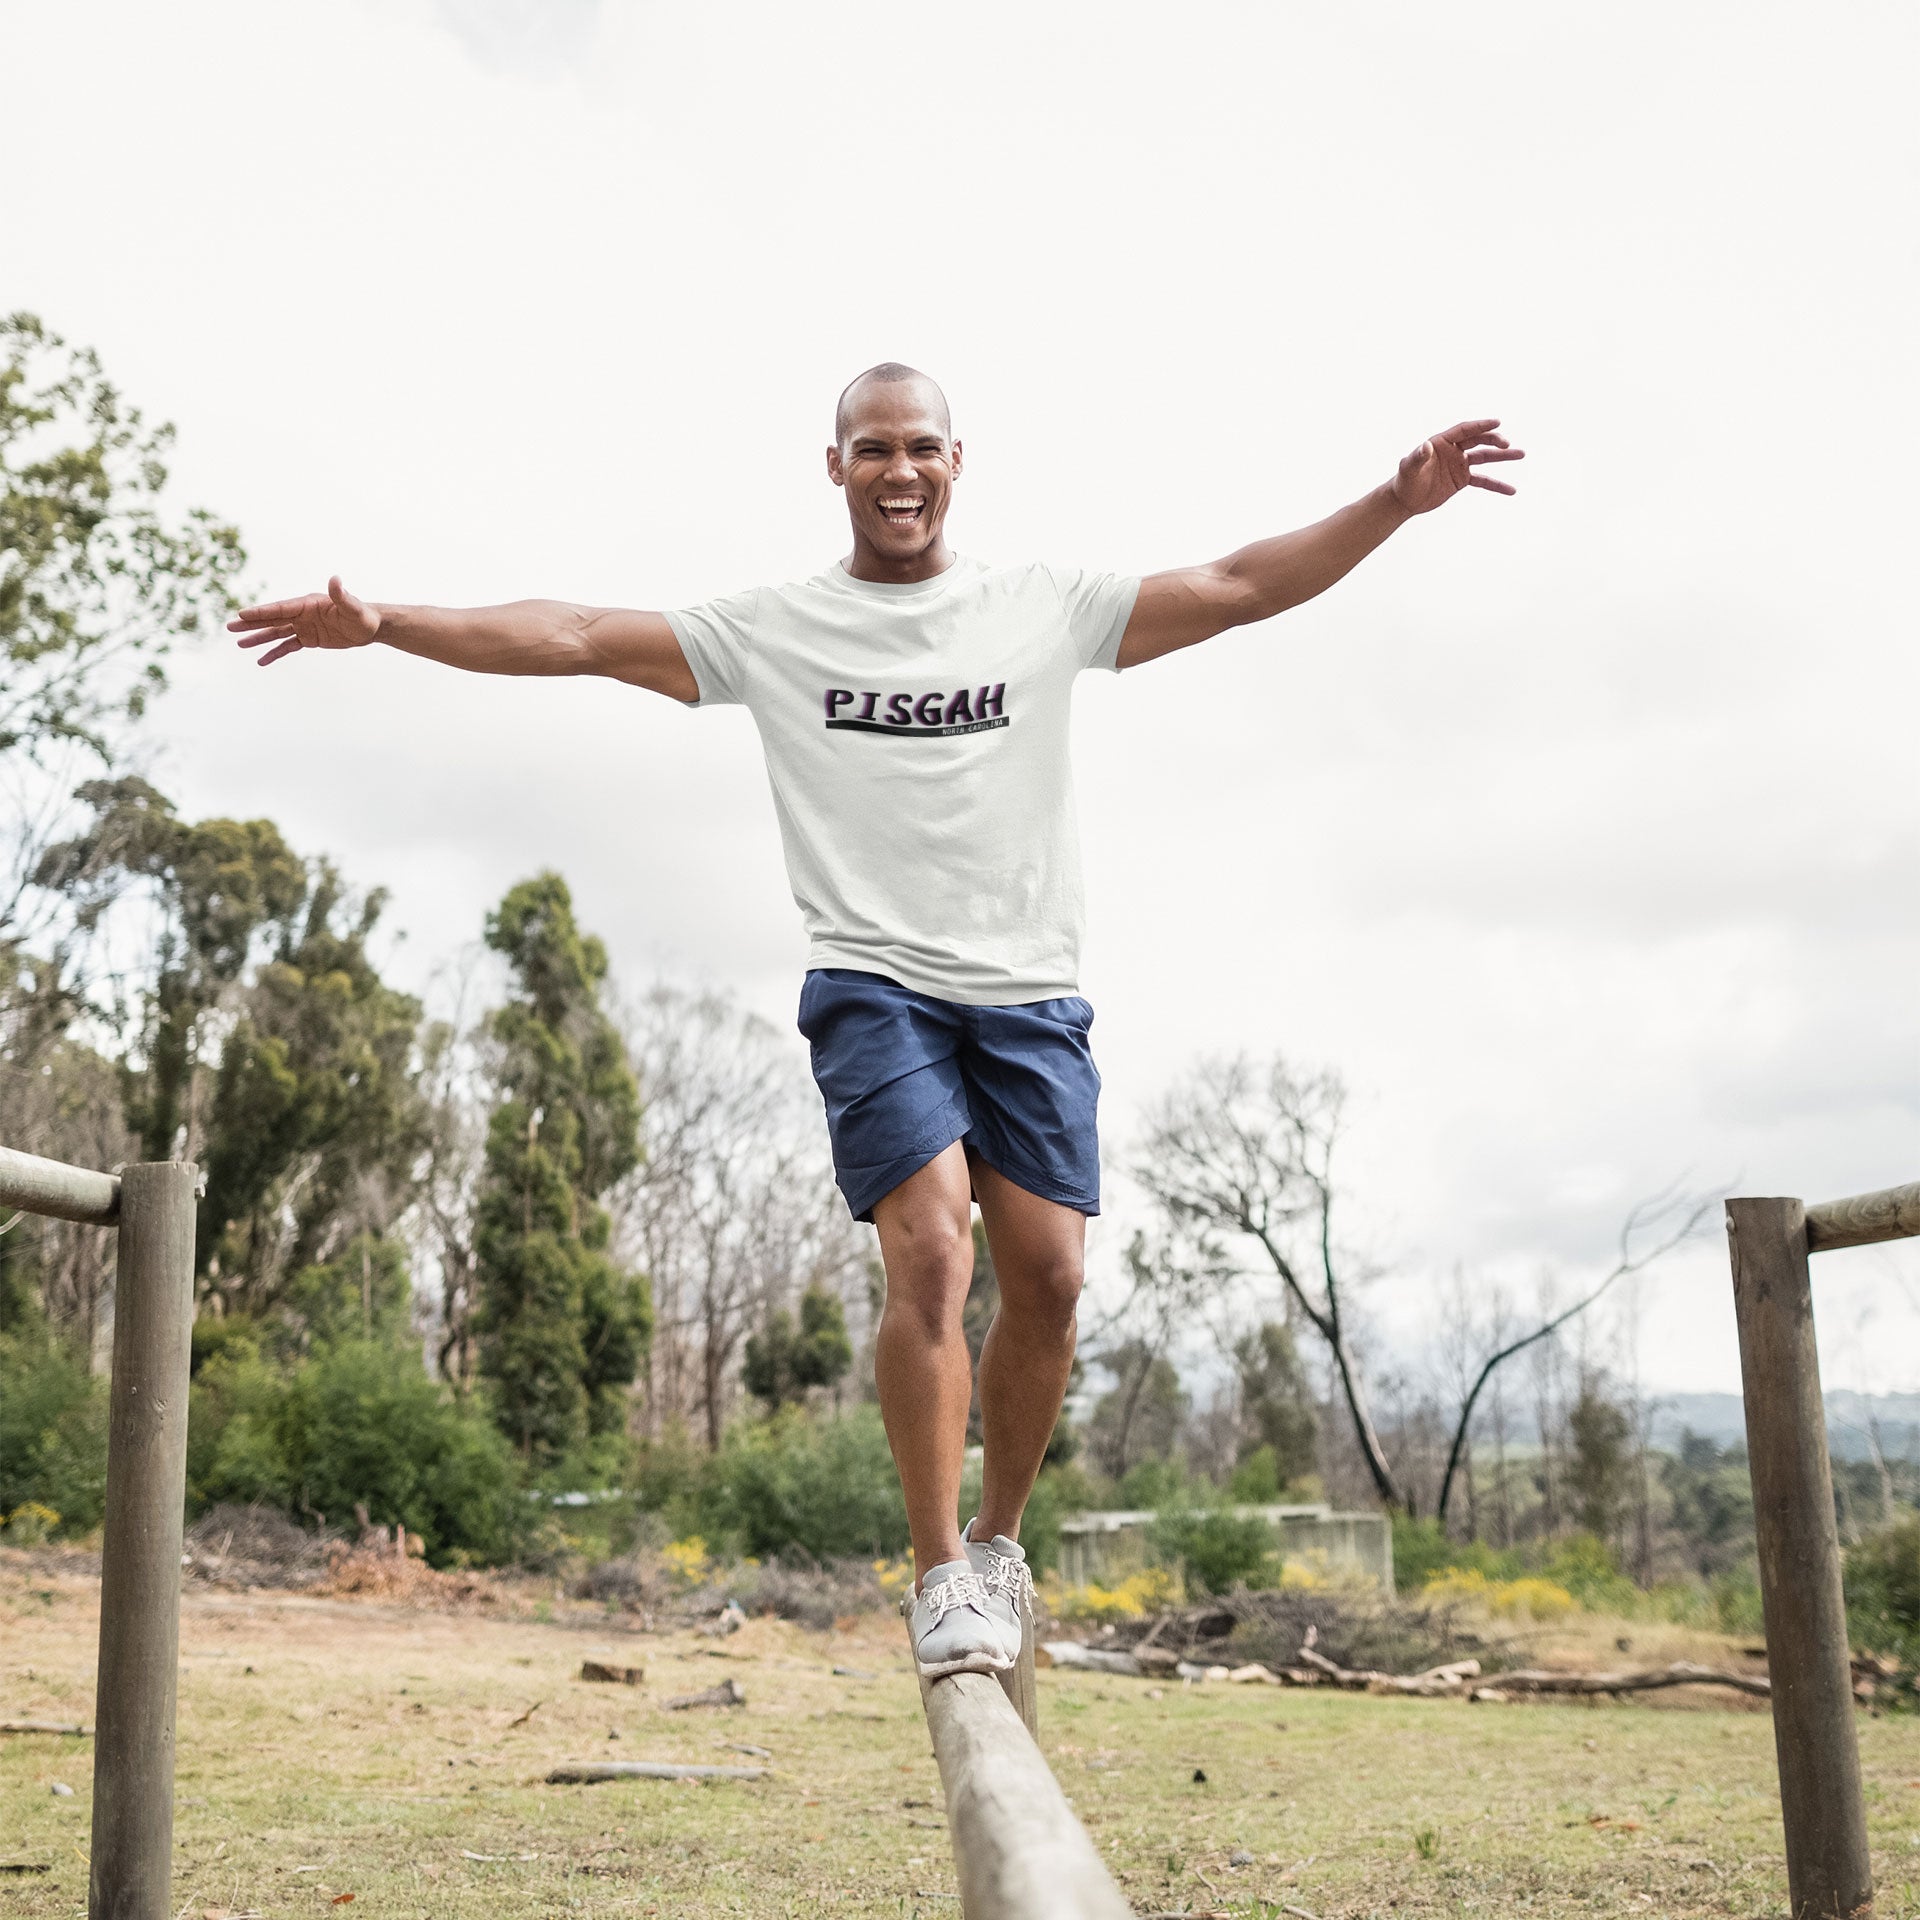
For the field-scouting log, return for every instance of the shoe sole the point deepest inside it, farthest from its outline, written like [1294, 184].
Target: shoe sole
[973, 1663]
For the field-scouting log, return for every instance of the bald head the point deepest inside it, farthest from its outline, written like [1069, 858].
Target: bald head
[889, 373]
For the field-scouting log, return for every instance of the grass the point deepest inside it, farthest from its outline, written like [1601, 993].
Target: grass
[332, 1748]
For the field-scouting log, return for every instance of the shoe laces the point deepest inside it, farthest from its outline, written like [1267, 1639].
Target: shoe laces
[1009, 1576]
[958, 1590]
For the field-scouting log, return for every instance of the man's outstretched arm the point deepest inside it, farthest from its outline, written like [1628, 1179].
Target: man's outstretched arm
[1191, 604]
[526, 637]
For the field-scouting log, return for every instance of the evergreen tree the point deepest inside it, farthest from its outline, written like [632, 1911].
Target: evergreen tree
[1276, 1404]
[560, 1328]
[782, 1362]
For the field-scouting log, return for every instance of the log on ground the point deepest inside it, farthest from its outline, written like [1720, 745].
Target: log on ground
[578, 1773]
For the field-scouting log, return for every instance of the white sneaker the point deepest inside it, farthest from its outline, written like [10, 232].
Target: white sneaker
[1002, 1566]
[955, 1628]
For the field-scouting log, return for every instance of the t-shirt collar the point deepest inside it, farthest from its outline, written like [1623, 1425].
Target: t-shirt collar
[838, 576]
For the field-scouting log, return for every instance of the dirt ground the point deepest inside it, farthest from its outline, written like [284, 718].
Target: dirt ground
[336, 1751]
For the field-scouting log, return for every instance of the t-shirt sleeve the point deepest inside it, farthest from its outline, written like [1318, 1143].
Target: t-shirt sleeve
[1098, 607]
[717, 639]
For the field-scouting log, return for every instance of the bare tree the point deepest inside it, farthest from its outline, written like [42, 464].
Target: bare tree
[1669, 1218]
[732, 1211]
[1247, 1151]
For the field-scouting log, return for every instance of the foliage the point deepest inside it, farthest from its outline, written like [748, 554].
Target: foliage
[53, 1430]
[1601, 1438]
[1528, 1598]
[826, 1486]
[1148, 1591]
[1277, 1412]
[1883, 1590]
[781, 1363]
[355, 1424]
[1140, 1417]
[561, 1327]
[1217, 1548]
[97, 580]
[1712, 1496]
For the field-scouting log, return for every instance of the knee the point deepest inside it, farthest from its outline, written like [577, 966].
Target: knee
[1047, 1296]
[929, 1269]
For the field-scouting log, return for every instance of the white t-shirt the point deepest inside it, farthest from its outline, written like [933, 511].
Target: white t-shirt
[916, 743]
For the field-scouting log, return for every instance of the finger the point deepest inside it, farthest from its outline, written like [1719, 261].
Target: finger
[279, 653]
[1468, 431]
[273, 613]
[268, 637]
[1496, 453]
[1492, 486]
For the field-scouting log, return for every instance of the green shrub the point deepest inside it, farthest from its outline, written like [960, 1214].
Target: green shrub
[1586, 1567]
[1216, 1548]
[1421, 1550]
[824, 1486]
[53, 1430]
[1883, 1590]
[356, 1424]
[1153, 1483]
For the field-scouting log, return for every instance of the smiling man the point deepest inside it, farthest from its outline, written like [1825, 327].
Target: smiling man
[913, 706]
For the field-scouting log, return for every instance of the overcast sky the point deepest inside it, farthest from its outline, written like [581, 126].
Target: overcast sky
[1580, 831]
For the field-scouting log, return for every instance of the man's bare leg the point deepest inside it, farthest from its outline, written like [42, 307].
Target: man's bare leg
[920, 1360]
[1039, 1251]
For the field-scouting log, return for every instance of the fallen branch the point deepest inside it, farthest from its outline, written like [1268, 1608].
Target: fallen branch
[587, 1772]
[42, 1726]
[1436, 1681]
[1070, 1653]
[1682, 1673]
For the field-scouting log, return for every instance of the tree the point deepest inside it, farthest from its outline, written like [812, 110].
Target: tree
[97, 580]
[781, 1362]
[1139, 1418]
[1599, 1437]
[561, 1328]
[1673, 1217]
[1277, 1410]
[733, 1213]
[1248, 1153]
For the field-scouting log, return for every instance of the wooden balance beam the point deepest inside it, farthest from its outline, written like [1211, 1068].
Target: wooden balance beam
[1020, 1852]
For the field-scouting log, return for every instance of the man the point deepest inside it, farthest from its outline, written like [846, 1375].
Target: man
[913, 708]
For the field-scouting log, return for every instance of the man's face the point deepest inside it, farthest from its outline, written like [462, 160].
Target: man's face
[897, 465]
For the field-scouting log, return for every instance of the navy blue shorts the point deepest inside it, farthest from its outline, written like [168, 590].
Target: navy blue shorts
[905, 1075]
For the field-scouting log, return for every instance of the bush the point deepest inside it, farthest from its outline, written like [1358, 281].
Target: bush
[1217, 1549]
[1883, 1590]
[1529, 1597]
[1421, 1550]
[53, 1432]
[1585, 1566]
[824, 1486]
[356, 1424]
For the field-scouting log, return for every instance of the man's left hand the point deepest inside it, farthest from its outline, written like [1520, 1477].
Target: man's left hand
[1437, 469]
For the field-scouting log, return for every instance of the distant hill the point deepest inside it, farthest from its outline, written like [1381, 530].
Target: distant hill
[1720, 1417]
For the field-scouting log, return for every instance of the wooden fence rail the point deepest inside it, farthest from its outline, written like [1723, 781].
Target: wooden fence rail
[1019, 1851]
[1829, 1872]
[153, 1207]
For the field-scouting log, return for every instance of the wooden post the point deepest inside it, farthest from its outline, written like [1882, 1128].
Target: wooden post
[140, 1552]
[1018, 1683]
[1828, 1870]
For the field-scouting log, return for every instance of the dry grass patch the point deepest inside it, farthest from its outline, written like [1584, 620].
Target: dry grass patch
[331, 1747]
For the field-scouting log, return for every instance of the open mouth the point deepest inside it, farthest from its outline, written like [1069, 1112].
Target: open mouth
[902, 509]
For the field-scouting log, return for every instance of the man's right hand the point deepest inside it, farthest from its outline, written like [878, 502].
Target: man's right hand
[331, 619]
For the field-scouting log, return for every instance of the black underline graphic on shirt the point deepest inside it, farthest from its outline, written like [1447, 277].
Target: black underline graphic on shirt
[915, 733]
